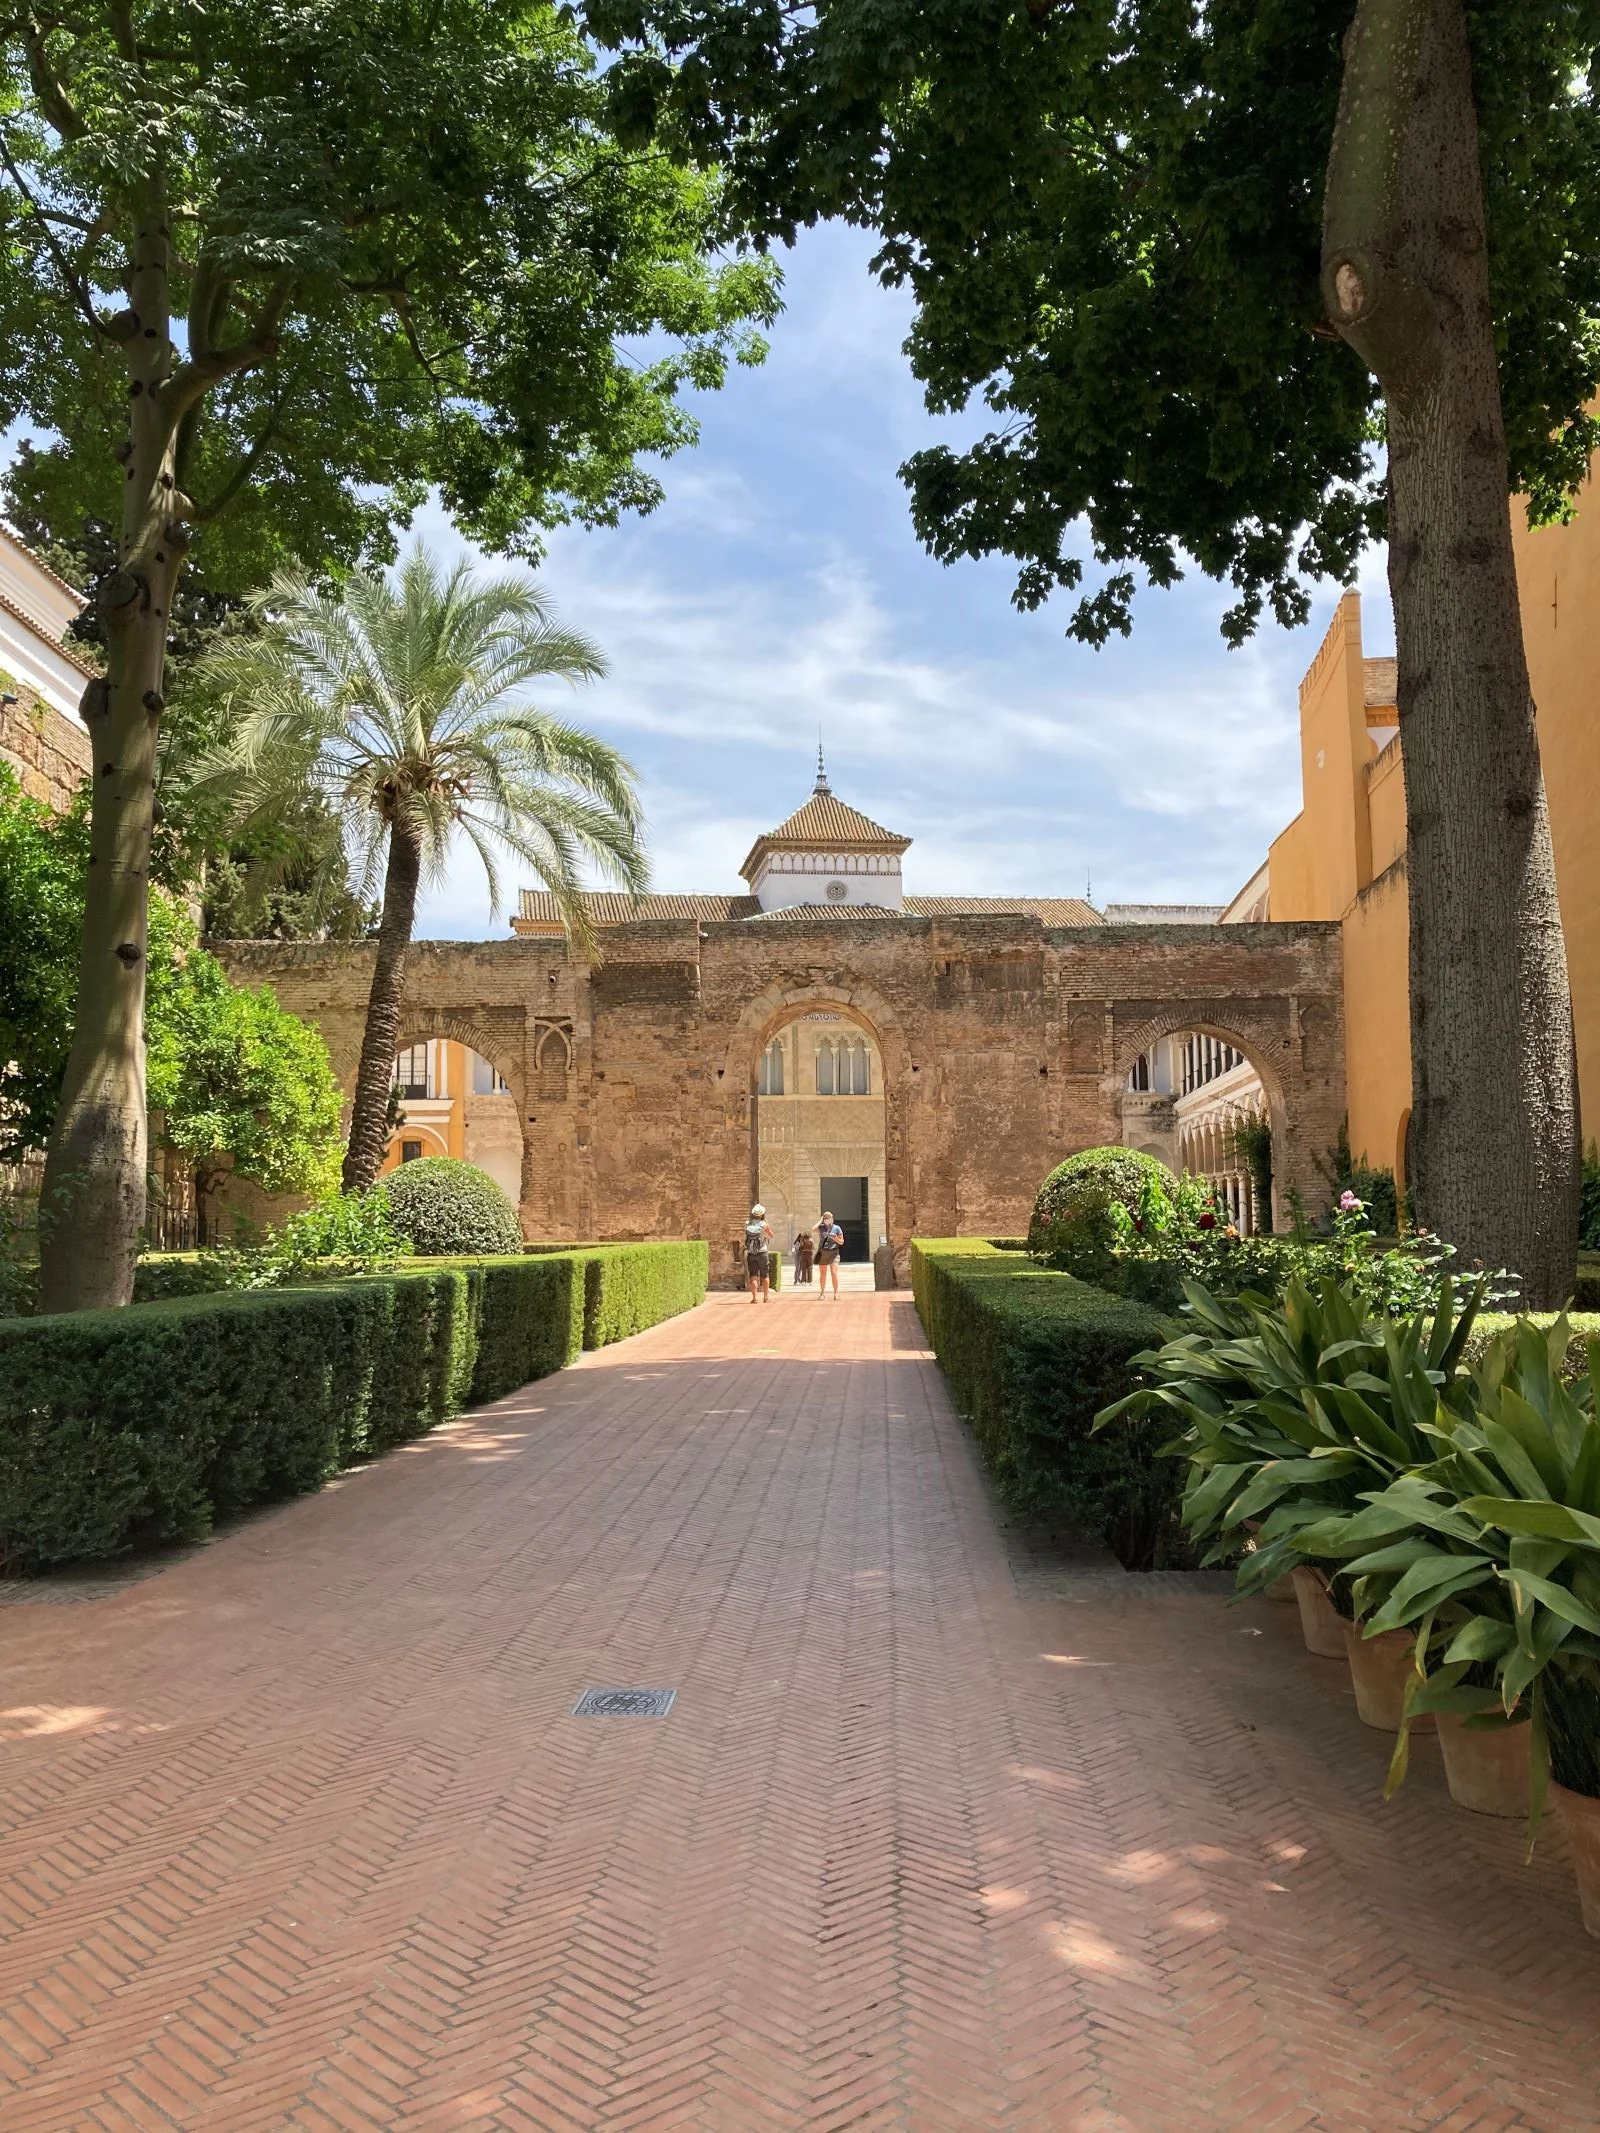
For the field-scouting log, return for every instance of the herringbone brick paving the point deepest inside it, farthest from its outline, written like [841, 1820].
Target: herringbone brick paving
[300, 1833]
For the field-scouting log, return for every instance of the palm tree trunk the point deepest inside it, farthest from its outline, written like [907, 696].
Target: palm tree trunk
[369, 1116]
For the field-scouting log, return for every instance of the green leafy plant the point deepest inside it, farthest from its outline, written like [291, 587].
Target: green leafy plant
[1074, 1227]
[241, 1087]
[446, 1206]
[1288, 1414]
[1253, 1139]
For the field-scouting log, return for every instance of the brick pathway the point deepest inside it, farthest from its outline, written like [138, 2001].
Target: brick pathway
[300, 1833]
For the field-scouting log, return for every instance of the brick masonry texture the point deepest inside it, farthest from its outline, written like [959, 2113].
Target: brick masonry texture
[301, 1834]
[49, 754]
[1005, 1047]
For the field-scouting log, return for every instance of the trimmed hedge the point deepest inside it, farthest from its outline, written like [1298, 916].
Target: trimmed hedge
[446, 1206]
[125, 1428]
[1032, 1356]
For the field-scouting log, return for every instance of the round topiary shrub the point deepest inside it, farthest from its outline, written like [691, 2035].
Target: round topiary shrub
[1072, 1225]
[448, 1207]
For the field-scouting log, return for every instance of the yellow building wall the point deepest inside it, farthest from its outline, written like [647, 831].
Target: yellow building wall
[1558, 570]
[1343, 856]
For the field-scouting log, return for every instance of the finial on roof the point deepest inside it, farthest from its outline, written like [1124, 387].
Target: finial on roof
[822, 784]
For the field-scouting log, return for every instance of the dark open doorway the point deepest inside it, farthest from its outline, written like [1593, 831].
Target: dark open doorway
[846, 1199]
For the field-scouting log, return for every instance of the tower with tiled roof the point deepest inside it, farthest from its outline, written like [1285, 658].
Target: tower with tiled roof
[826, 854]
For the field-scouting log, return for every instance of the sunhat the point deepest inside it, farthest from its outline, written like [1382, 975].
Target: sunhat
[758, 1209]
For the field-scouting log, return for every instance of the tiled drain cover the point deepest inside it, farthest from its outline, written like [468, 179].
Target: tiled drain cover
[624, 1703]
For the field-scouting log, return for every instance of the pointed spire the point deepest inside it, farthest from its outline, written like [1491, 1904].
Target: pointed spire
[822, 784]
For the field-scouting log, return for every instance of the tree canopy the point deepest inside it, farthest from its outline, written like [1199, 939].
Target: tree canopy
[407, 250]
[243, 1087]
[1109, 214]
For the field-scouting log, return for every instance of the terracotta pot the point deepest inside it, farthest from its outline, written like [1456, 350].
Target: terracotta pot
[1320, 1621]
[1487, 1772]
[1379, 1669]
[1580, 1818]
[1283, 1589]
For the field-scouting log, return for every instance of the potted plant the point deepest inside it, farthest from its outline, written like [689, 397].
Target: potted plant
[1290, 1415]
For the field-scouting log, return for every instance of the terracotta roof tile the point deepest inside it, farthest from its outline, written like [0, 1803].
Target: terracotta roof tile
[610, 907]
[1049, 910]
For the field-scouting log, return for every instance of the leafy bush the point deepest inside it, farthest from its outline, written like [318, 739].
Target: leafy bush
[345, 1234]
[120, 1428]
[1287, 1414]
[1074, 1226]
[1030, 1355]
[1489, 1550]
[1589, 1201]
[446, 1206]
[1372, 1185]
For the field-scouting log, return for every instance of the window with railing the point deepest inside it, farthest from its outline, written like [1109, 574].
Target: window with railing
[413, 1072]
[769, 1075]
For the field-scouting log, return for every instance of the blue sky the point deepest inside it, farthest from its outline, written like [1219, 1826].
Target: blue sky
[780, 587]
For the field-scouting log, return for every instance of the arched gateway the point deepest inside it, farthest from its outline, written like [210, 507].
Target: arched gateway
[942, 1052]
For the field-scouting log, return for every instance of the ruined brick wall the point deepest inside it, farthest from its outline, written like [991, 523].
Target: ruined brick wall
[49, 753]
[1005, 1046]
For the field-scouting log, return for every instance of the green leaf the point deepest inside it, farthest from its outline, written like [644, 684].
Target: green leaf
[1541, 1519]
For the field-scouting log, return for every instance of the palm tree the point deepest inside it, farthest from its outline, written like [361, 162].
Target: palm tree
[397, 705]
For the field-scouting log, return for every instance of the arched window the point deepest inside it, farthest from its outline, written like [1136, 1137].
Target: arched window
[825, 1067]
[860, 1076]
[769, 1080]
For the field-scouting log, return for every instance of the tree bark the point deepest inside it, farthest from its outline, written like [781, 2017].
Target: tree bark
[1494, 1127]
[93, 1200]
[369, 1115]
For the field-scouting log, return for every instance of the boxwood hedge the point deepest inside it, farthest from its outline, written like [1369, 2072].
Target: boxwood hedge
[1031, 1357]
[120, 1428]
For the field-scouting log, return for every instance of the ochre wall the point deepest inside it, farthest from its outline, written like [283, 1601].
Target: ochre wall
[1558, 570]
[1343, 856]
[1005, 1046]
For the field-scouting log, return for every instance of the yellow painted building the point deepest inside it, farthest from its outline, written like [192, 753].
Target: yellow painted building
[1344, 855]
[452, 1102]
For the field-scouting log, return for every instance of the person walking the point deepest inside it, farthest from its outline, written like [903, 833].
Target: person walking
[758, 1255]
[830, 1243]
[805, 1250]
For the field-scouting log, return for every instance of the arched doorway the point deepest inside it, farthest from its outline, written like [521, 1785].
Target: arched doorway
[1195, 1098]
[820, 1127]
[449, 1098]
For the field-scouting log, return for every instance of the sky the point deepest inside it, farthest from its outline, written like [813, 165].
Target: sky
[779, 589]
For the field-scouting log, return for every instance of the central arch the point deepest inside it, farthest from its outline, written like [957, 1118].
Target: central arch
[818, 1083]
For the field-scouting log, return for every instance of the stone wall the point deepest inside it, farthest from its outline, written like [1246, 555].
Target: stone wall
[1004, 1047]
[49, 752]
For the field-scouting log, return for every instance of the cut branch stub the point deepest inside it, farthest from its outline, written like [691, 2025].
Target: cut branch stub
[120, 597]
[95, 701]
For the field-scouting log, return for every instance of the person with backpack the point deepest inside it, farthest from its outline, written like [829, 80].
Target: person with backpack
[758, 1254]
[830, 1244]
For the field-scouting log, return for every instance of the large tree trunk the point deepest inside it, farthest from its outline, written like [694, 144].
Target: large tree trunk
[1494, 1128]
[369, 1127]
[92, 1206]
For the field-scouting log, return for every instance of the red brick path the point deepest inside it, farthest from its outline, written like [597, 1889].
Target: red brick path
[300, 1833]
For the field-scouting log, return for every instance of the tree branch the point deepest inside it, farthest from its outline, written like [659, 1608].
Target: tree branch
[75, 287]
[48, 88]
[252, 459]
[192, 380]
[1387, 319]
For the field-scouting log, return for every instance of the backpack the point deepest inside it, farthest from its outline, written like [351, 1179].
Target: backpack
[754, 1236]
